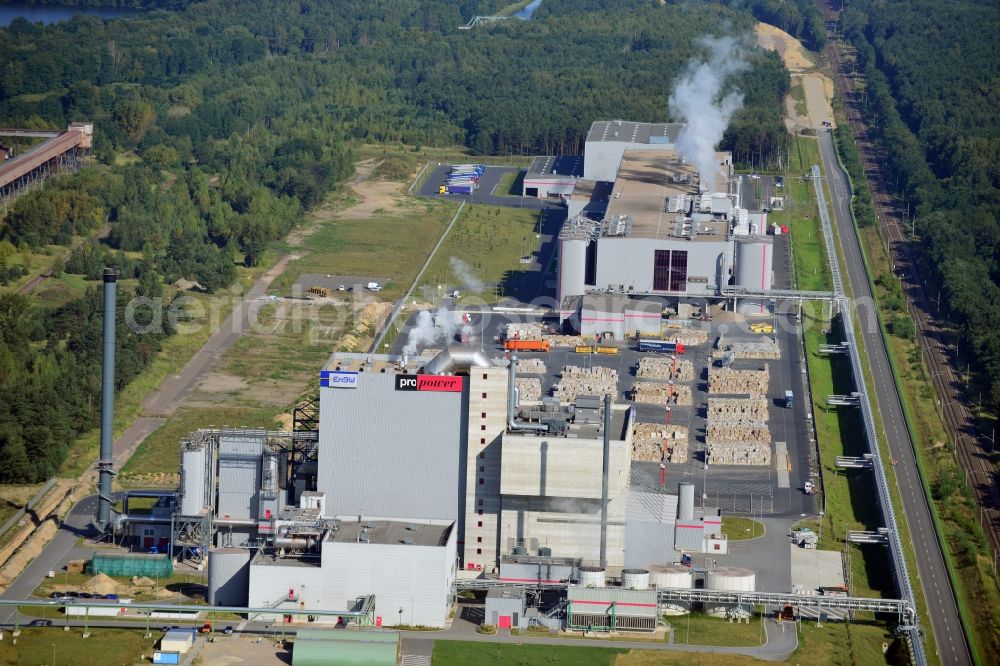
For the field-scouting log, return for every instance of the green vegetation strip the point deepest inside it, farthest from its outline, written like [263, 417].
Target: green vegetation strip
[44, 647]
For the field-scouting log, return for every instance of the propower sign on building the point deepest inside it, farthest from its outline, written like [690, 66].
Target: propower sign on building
[337, 379]
[441, 383]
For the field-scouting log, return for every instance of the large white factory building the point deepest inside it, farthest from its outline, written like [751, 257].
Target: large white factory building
[421, 473]
[645, 223]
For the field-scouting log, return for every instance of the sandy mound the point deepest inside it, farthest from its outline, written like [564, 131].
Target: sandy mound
[101, 584]
[142, 581]
[792, 53]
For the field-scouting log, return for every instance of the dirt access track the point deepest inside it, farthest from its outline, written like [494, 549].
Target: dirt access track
[799, 62]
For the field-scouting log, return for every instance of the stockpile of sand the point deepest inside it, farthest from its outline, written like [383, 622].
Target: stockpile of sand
[142, 581]
[101, 584]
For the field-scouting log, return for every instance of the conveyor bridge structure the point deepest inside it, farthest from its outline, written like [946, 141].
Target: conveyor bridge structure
[60, 152]
[902, 608]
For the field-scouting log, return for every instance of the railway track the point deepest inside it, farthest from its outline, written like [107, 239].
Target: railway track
[974, 449]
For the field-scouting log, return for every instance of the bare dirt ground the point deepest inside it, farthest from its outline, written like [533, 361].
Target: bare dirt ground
[371, 195]
[800, 63]
[233, 650]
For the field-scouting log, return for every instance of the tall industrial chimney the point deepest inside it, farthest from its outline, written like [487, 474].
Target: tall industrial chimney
[105, 462]
[604, 481]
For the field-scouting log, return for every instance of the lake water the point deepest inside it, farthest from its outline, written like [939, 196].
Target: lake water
[54, 13]
[528, 11]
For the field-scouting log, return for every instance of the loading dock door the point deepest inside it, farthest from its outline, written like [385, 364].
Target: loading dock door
[531, 191]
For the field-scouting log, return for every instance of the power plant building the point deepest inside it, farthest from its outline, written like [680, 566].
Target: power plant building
[663, 230]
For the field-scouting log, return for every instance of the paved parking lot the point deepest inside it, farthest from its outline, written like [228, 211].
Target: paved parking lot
[486, 194]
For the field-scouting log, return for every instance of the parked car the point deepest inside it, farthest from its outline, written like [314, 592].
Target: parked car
[110, 597]
[85, 595]
[228, 631]
[526, 259]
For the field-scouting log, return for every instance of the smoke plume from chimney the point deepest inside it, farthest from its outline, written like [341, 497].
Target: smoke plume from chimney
[699, 100]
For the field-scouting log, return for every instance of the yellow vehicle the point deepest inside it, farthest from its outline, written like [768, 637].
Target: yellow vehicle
[761, 327]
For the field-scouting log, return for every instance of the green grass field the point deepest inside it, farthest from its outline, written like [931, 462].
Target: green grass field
[489, 240]
[177, 351]
[157, 459]
[449, 653]
[701, 629]
[390, 246]
[802, 217]
[104, 647]
[737, 528]
[832, 644]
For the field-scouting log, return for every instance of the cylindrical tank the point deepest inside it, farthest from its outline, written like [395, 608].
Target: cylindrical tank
[192, 481]
[545, 551]
[572, 267]
[685, 501]
[672, 576]
[228, 576]
[730, 579]
[635, 579]
[519, 550]
[592, 577]
[754, 258]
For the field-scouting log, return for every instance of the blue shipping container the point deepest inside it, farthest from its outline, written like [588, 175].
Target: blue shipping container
[166, 657]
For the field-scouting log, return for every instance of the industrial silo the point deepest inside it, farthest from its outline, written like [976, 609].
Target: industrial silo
[592, 577]
[572, 267]
[685, 501]
[193, 479]
[228, 576]
[672, 576]
[754, 257]
[730, 579]
[635, 579]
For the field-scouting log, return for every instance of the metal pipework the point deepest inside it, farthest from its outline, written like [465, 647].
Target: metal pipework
[512, 403]
[104, 464]
[604, 481]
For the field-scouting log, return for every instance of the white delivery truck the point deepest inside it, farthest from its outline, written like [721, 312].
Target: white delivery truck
[374, 286]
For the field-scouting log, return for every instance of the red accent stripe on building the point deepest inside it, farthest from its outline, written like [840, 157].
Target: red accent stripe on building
[697, 527]
[528, 580]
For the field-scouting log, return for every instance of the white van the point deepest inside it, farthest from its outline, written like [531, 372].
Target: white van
[374, 286]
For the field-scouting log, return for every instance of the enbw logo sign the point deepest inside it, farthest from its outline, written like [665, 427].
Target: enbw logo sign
[338, 379]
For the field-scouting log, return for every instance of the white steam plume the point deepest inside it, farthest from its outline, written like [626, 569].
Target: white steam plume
[698, 100]
[429, 329]
[465, 275]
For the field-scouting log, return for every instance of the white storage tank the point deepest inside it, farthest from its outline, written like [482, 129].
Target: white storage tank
[228, 576]
[635, 579]
[572, 267]
[193, 480]
[754, 258]
[664, 576]
[730, 579]
[592, 577]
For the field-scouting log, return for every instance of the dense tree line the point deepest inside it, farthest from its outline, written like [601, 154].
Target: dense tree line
[931, 99]
[50, 378]
[375, 71]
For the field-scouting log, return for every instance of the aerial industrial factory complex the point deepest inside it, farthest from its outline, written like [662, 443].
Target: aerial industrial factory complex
[595, 450]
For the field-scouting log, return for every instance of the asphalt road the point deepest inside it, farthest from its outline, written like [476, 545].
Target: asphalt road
[931, 569]
[172, 391]
[76, 525]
